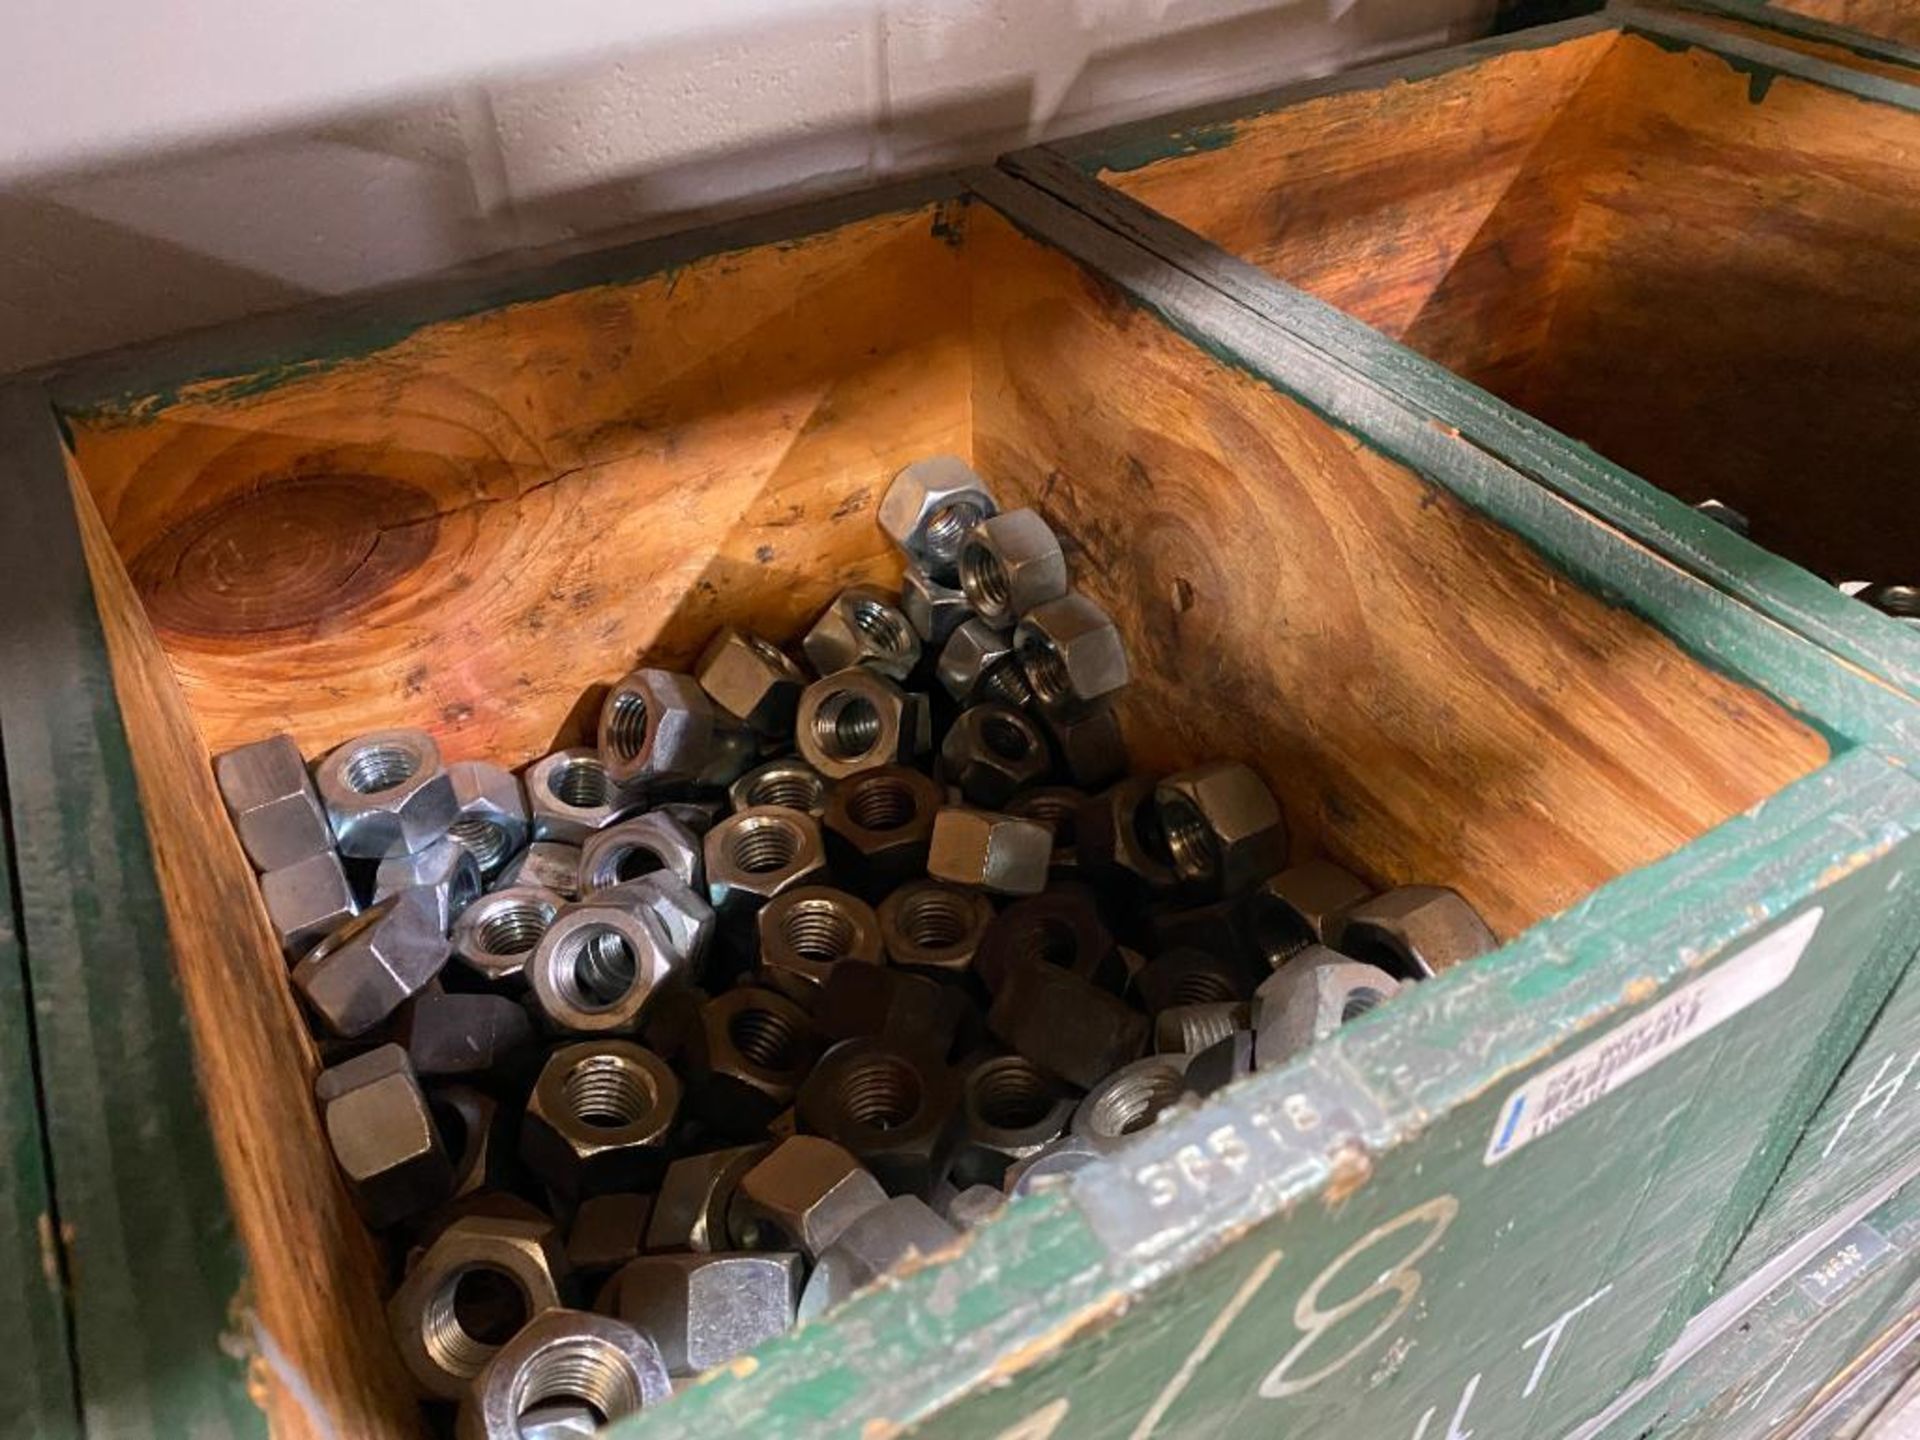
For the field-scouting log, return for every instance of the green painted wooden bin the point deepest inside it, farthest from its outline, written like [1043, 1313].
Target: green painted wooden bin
[1642, 232]
[1491, 1205]
[1881, 37]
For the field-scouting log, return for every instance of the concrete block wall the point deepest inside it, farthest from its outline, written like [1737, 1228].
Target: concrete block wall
[165, 167]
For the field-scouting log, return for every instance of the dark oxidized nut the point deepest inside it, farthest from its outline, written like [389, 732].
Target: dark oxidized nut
[565, 1355]
[608, 1231]
[308, 900]
[991, 751]
[1224, 829]
[863, 626]
[638, 847]
[497, 933]
[1213, 928]
[1187, 976]
[977, 663]
[747, 1058]
[1130, 1099]
[1010, 563]
[386, 793]
[1285, 913]
[360, 973]
[687, 917]
[448, 1032]
[755, 854]
[1093, 752]
[1064, 1023]
[1072, 655]
[806, 932]
[1412, 932]
[1062, 927]
[883, 1240]
[1058, 808]
[598, 966]
[801, 1197]
[571, 796]
[1310, 997]
[473, 1129]
[469, 1291]
[894, 1110]
[934, 610]
[657, 727]
[933, 926]
[382, 1134]
[853, 720]
[272, 802]
[1228, 1059]
[1900, 601]
[930, 507]
[691, 1210]
[1009, 1109]
[752, 679]
[492, 822]
[879, 824]
[600, 1118]
[1122, 843]
[549, 864]
[703, 1310]
[910, 1011]
[1053, 1164]
[1001, 854]
[1189, 1029]
[789, 782]
[445, 873]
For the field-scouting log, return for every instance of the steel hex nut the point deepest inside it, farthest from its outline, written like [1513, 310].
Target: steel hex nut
[1010, 1108]
[272, 802]
[884, 1239]
[752, 679]
[451, 1032]
[360, 973]
[1093, 752]
[492, 821]
[598, 966]
[879, 824]
[1062, 927]
[934, 610]
[788, 782]
[445, 873]
[308, 900]
[807, 931]
[1413, 932]
[934, 927]
[747, 1058]
[929, 509]
[1286, 913]
[386, 793]
[563, 1355]
[497, 934]
[992, 751]
[638, 847]
[1010, 563]
[1064, 1023]
[382, 1134]
[755, 854]
[891, 1107]
[600, 1118]
[801, 1197]
[658, 727]
[853, 720]
[703, 1310]
[572, 796]
[1001, 854]
[1072, 655]
[696, 1197]
[863, 626]
[548, 864]
[978, 663]
[1224, 830]
[1309, 998]
[490, 1273]
[1130, 1099]
[1123, 845]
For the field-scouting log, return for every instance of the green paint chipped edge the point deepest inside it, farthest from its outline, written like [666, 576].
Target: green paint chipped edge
[1764, 15]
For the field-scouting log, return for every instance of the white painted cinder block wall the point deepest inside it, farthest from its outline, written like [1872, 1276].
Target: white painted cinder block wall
[173, 165]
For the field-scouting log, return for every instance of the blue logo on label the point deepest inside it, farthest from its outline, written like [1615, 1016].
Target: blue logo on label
[1513, 1123]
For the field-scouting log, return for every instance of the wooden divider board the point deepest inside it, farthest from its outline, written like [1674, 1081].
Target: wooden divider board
[1888, 19]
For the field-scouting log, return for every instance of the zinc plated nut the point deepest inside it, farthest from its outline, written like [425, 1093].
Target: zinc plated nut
[789, 782]
[1009, 563]
[550, 864]
[386, 793]
[755, 854]
[496, 934]
[934, 927]
[600, 1118]
[684, 913]
[445, 872]
[1072, 655]
[855, 719]
[934, 610]
[270, 797]
[863, 626]
[565, 1355]
[704, 1310]
[1310, 997]
[640, 846]
[928, 510]
[1130, 1099]
[598, 966]
[492, 820]
[571, 796]
[658, 727]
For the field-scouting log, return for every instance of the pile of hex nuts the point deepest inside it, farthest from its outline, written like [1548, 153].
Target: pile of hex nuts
[646, 1054]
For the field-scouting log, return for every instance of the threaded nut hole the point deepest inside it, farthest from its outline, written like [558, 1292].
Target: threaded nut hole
[818, 929]
[938, 919]
[1007, 737]
[480, 838]
[766, 1038]
[1059, 813]
[881, 802]
[881, 1091]
[514, 928]
[847, 725]
[984, 577]
[583, 1370]
[763, 846]
[380, 767]
[948, 527]
[1009, 1094]
[582, 782]
[1360, 1002]
[607, 1093]
[1130, 1102]
[1190, 841]
[475, 1311]
[1203, 987]
[596, 968]
[627, 724]
[789, 789]
[1046, 669]
[884, 626]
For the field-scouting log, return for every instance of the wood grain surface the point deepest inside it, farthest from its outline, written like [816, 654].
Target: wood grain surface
[1888, 19]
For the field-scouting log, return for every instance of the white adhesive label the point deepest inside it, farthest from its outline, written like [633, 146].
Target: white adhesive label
[1562, 1091]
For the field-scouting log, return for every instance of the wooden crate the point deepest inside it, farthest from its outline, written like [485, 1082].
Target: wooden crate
[1695, 253]
[462, 506]
[1879, 37]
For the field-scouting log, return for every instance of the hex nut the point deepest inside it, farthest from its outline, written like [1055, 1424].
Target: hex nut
[564, 1355]
[894, 1108]
[881, 1242]
[473, 1128]
[445, 873]
[992, 751]
[1001, 854]
[863, 627]
[608, 1231]
[686, 916]
[1187, 976]
[697, 814]
[973, 1206]
[789, 782]
[1010, 563]
[1053, 1164]
[690, 1212]
[1123, 845]
[1009, 1109]
[879, 824]
[1064, 1023]
[362, 971]
[1900, 601]
[658, 727]
[807, 931]
[638, 847]
[450, 1032]
[1225, 831]
[468, 1292]
[1062, 927]
[1058, 808]
[1413, 932]
[561, 1420]
[934, 610]
[1228, 1059]
[1309, 998]
[571, 796]
[308, 900]
[703, 1310]
[853, 720]
[598, 966]
[386, 793]
[1072, 655]
[747, 1058]
[752, 679]
[496, 934]
[928, 510]
[1285, 913]
[600, 1118]
[492, 820]
[1130, 1099]
[275, 810]
[382, 1135]
[548, 864]
[880, 1001]
[755, 854]
[934, 927]
[1190, 1029]
[977, 663]
[802, 1196]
